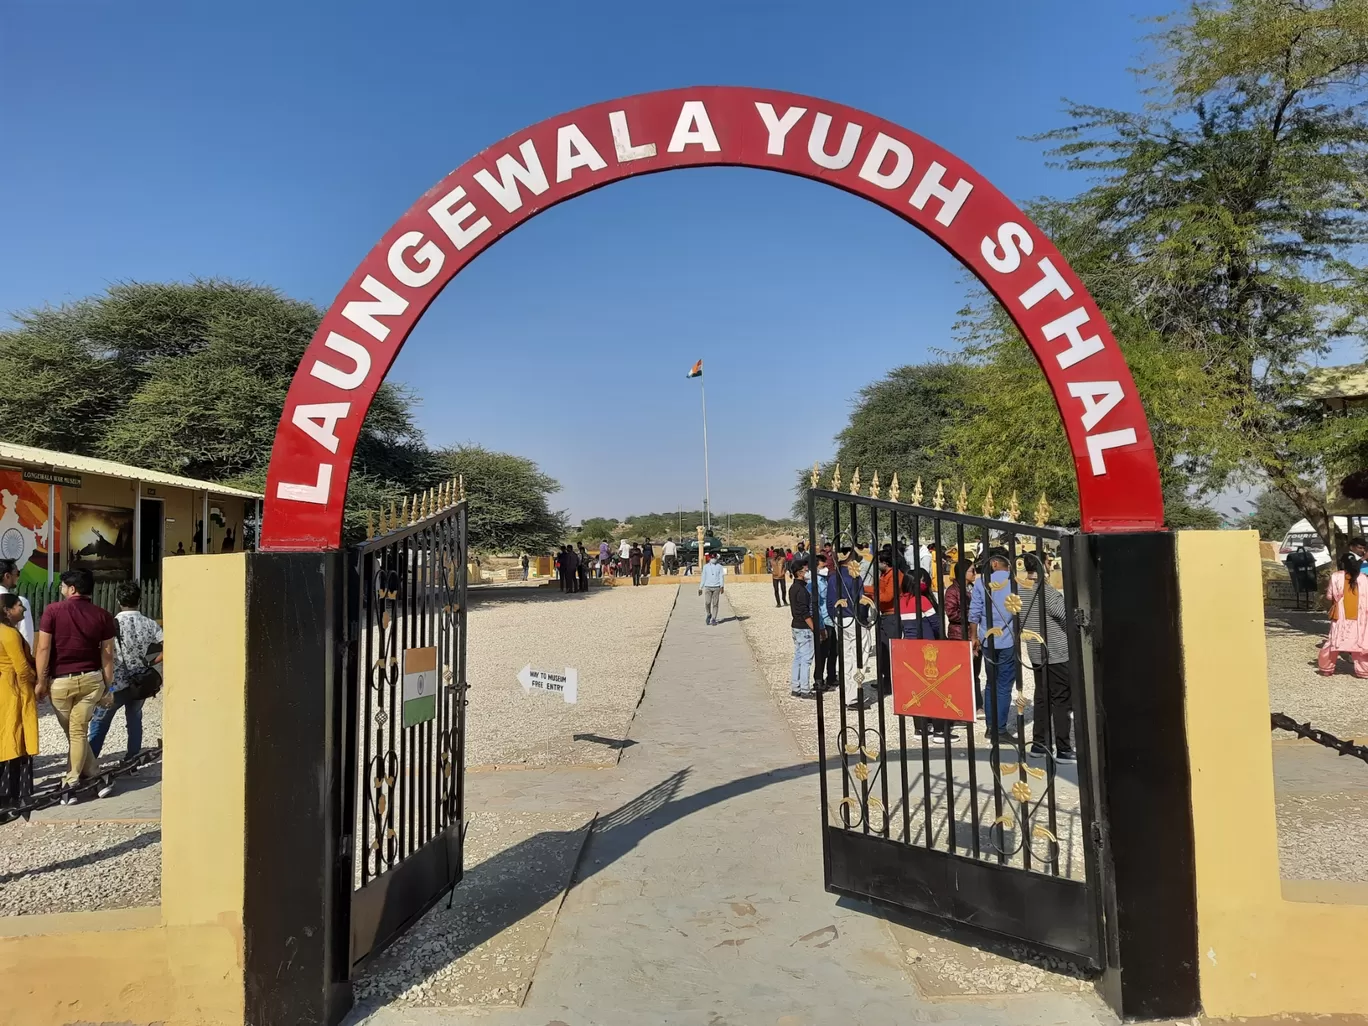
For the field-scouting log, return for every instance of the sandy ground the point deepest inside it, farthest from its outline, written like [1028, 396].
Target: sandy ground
[1338, 704]
[610, 635]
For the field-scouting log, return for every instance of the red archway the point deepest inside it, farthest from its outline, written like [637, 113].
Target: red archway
[499, 189]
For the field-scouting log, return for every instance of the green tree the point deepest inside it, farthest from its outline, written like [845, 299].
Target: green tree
[1272, 515]
[190, 378]
[509, 499]
[1219, 238]
[596, 529]
[899, 425]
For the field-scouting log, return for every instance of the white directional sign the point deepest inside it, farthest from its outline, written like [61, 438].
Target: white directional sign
[565, 684]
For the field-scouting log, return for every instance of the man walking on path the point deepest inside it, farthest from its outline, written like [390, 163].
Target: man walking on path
[671, 554]
[780, 576]
[75, 660]
[9, 582]
[647, 558]
[526, 563]
[634, 561]
[800, 605]
[846, 597]
[1044, 615]
[710, 586]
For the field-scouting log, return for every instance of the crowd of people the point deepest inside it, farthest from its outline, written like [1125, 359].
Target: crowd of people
[85, 662]
[575, 565]
[924, 591]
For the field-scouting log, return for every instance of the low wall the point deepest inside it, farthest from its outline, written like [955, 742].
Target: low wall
[1266, 946]
[181, 963]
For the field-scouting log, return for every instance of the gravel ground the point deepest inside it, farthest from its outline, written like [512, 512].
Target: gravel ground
[610, 635]
[767, 631]
[77, 867]
[485, 948]
[52, 740]
[1324, 837]
[1338, 704]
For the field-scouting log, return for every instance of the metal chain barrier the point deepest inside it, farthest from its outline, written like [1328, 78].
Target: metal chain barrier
[1281, 721]
[53, 796]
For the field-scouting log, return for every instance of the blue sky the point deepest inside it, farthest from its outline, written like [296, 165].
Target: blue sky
[276, 142]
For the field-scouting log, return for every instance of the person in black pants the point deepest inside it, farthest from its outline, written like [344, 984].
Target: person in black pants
[824, 670]
[780, 575]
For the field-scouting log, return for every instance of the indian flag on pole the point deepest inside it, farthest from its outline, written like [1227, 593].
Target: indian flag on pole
[696, 371]
[420, 685]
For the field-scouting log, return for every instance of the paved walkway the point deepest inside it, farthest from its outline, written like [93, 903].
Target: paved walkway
[698, 898]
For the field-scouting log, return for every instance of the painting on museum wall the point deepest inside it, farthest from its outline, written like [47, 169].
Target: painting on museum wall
[24, 525]
[101, 541]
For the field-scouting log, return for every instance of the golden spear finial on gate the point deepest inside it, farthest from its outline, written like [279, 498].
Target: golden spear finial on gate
[988, 502]
[1013, 508]
[962, 500]
[836, 477]
[874, 486]
[893, 491]
[460, 481]
[370, 525]
[1042, 511]
[938, 500]
[430, 502]
[404, 512]
[393, 517]
[917, 493]
[855, 482]
[815, 476]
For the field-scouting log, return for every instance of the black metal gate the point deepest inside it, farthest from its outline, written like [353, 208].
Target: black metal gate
[404, 758]
[957, 820]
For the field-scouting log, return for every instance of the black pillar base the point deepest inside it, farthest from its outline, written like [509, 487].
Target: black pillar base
[1133, 676]
[296, 894]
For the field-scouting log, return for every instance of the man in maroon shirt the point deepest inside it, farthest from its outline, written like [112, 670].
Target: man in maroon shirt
[75, 660]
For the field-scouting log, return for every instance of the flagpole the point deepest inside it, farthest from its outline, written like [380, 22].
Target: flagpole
[706, 495]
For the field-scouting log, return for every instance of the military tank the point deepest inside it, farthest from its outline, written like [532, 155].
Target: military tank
[729, 555]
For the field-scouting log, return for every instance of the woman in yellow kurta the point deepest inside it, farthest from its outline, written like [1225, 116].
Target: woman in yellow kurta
[18, 706]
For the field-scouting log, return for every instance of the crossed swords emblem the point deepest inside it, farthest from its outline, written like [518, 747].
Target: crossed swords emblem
[933, 687]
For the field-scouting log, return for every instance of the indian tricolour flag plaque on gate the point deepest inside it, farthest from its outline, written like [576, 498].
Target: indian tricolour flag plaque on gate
[420, 685]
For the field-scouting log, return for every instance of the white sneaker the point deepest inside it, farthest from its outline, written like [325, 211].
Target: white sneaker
[69, 799]
[105, 789]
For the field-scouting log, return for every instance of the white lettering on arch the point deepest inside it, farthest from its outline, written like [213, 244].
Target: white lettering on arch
[452, 218]
[345, 380]
[1080, 348]
[504, 189]
[384, 302]
[316, 493]
[693, 128]
[574, 150]
[872, 170]
[951, 200]
[1099, 399]
[319, 421]
[1012, 241]
[622, 139]
[1099, 444]
[817, 140]
[428, 256]
[778, 127]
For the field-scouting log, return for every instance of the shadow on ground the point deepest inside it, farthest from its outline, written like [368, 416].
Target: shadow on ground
[508, 894]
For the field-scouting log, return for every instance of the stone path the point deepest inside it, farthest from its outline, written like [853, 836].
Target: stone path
[698, 896]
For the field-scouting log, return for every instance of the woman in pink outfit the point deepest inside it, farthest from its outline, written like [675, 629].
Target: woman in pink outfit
[1348, 619]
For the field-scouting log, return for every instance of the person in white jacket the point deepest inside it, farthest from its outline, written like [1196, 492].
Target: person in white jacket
[9, 580]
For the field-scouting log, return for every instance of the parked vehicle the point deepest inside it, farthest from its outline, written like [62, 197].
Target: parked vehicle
[729, 555]
[1302, 533]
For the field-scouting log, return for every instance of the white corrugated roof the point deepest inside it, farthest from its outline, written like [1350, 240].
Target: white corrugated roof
[90, 465]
